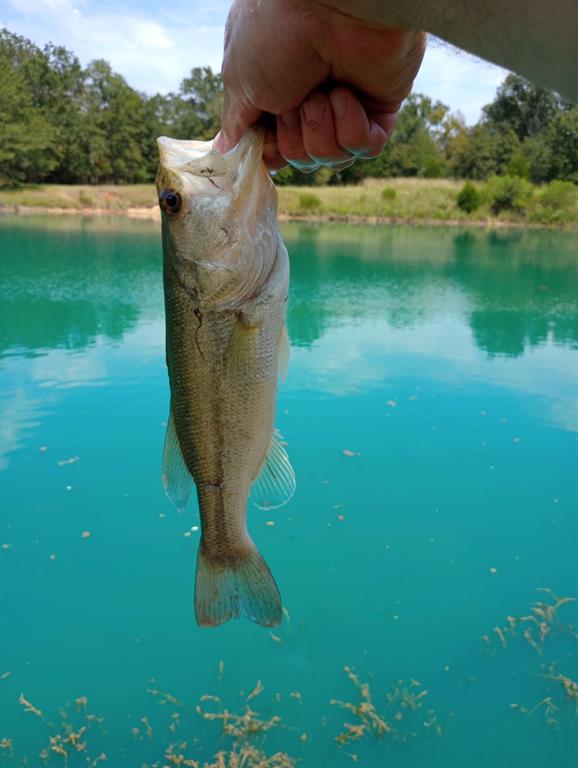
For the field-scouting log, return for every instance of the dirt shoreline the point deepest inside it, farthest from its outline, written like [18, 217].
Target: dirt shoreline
[152, 213]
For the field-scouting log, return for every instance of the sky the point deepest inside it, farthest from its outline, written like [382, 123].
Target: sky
[155, 43]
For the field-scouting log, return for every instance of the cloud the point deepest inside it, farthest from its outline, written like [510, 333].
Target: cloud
[155, 45]
[153, 51]
[461, 81]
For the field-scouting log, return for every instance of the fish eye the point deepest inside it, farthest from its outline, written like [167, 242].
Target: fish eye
[170, 201]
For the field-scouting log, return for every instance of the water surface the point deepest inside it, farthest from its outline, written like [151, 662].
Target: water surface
[431, 416]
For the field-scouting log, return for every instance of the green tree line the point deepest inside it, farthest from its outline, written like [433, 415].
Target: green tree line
[64, 123]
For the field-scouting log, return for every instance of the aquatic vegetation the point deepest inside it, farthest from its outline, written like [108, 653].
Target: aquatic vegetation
[542, 621]
[537, 629]
[397, 722]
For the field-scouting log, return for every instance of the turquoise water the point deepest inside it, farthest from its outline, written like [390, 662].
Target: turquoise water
[431, 416]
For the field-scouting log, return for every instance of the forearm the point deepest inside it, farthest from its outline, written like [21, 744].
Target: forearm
[535, 38]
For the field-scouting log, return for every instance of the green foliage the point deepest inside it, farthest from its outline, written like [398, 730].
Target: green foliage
[508, 193]
[388, 193]
[559, 194]
[61, 122]
[309, 202]
[526, 108]
[468, 199]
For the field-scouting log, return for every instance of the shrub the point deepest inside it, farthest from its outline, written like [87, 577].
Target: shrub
[309, 202]
[508, 193]
[388, 193]
[558, 194]
[84, 199]
[468, 198]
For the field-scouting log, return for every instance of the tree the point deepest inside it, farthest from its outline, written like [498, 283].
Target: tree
[26, 134]
[115, 127]
[528, 109]
[202, 97]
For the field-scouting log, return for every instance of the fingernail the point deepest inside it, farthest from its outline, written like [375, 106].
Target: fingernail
[314, 110]
[303, 167]
[290, 118]
[338, 103]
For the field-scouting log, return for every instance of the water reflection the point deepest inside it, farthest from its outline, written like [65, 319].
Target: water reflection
[62, 287]
[516, 289]
[370, 302]
[64, 282]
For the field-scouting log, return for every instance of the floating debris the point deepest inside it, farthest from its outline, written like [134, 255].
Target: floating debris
[347, 452]
[5, 675]
[28, 707]
[391, 404]
[257, 690]
[86, 534]
[296, 695]
[270, 523]
[71, 460]
[7, 546]
[7, 747]
[164, 697]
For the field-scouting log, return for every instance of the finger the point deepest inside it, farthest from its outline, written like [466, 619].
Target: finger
[354, 130]
[318, 130]
[385, 120]
[290, 142]
[384, 113]
[271, 156]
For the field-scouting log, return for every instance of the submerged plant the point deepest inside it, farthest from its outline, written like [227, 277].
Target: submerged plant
[537, 629]
[397, 722]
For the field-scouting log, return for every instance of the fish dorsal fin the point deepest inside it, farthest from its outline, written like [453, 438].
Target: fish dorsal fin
[284, 352]
[177, 479]
[275, 484]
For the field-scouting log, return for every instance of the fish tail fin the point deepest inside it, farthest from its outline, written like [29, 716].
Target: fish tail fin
[243, 587]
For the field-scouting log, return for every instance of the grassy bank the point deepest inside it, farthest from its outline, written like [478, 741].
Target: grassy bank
[498, 202]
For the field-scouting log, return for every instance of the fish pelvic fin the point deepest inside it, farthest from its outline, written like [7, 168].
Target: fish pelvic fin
[177, 480]
[243, 586]
[275, 484]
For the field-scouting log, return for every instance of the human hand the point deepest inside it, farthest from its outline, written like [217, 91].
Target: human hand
[334, 82]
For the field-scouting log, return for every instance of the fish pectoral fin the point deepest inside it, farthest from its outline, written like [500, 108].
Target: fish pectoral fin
[284, 352]
[243, 338]
[177, 479]
[275, 483]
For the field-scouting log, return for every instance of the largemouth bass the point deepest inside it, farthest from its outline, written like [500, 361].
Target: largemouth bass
[226, 279]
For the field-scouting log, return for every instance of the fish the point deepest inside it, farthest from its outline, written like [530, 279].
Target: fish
[226, 283]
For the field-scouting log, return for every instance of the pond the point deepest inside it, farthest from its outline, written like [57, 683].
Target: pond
[430, 412]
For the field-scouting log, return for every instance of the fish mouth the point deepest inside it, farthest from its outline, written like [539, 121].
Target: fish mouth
[200, 158]
[198, 168]
[176, 153]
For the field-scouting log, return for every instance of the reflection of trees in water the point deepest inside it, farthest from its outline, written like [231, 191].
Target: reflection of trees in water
[518, 287]
[522, 288]
[63, 286]
[64, 289]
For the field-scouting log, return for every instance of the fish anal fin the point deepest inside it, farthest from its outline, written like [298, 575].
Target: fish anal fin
[275, 483]
[242, 587]
[177, 479]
